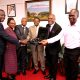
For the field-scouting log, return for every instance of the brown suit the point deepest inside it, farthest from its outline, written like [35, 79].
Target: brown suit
[37, 51]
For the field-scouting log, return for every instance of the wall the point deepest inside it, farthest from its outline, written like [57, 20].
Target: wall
[58, 8]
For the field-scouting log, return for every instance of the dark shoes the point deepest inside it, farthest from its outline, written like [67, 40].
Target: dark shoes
[11, 77]
[49, 77]
[44, 72]
[5, 78]
[35, 71]
[24, 72]
[18, 73]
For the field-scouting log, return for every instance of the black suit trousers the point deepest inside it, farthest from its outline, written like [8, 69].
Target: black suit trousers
[52, 60]
[1, 65]
[22, 55]
[70, 63]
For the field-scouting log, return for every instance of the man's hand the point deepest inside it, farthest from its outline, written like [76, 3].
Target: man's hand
[44, 42]
[23, 41]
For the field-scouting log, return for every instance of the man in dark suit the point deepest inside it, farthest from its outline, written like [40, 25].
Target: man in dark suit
[22, 32]
[3, 38]
[52, 50]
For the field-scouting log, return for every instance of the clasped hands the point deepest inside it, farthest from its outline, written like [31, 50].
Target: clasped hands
[42, 42]
[23, 41]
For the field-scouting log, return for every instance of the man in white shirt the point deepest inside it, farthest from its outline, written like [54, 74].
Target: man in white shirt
[72, 45]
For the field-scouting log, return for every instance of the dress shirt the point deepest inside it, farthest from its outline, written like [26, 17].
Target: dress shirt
[24, 28]
[71, 36]
[51, 27]
[37, 28]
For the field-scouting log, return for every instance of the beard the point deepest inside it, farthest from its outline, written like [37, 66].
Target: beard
[72, 21]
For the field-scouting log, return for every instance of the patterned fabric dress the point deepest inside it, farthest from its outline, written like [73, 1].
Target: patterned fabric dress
[10, 57]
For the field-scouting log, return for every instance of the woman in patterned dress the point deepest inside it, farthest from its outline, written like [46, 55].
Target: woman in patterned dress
[10, 57]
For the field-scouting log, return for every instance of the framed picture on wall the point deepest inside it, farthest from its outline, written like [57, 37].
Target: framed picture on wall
[40, 8]
[70, 4]
[11, 10]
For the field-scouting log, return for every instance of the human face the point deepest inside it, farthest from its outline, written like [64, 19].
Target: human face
[24, 21]
[36, 22]
[2, 16]
[12, 24]
[73, 15]
[51, 19]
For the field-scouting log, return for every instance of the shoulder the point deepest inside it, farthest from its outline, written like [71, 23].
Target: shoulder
[57, 25]
[31, 27]
[1, 25]
[18, 26]
[7, 29]
[47, 25]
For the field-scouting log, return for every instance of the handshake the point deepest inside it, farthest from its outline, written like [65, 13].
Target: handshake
[33, 41]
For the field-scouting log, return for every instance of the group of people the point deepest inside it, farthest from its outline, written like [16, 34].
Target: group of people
[14, 40]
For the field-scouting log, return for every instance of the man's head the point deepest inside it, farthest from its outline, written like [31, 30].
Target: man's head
[24, 21]
[51, 19]
[36, 21]
[73, 15]
[2, 15]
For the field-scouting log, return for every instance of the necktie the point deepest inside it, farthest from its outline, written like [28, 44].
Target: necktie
[49, 30]
[24, 30]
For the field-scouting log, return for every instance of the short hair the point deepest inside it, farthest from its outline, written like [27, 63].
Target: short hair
[77, 11]
[9, 19]
[23, 18]
[36, 18]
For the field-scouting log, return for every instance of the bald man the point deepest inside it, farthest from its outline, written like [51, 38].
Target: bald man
[52, 50]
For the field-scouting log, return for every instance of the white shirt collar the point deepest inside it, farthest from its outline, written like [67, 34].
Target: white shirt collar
[52, 26]
[23, 26]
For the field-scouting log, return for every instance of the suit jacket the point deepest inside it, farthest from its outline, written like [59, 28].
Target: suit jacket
[5, 37]
[32, 33]
[54, 47]
[19, 30]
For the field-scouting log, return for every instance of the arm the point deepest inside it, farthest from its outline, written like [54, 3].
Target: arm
[27, 38]
[56, 38]
[53, 39]
[5, 36]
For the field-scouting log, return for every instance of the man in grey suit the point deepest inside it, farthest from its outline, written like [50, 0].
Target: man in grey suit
[22, 32]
